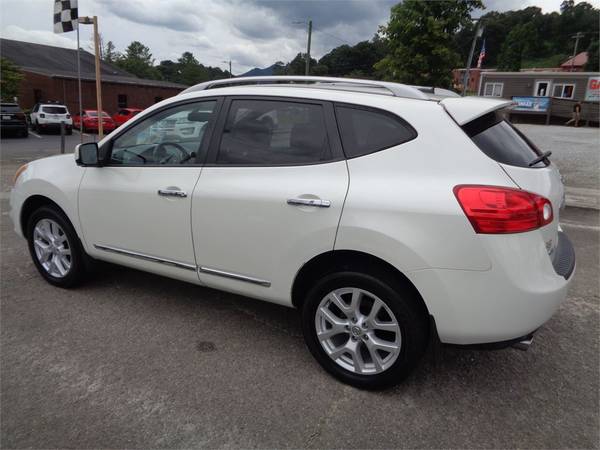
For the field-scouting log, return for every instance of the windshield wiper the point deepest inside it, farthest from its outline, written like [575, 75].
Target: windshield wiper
[542, 157]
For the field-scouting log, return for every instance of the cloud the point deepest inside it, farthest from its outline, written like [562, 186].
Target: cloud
[37, 37]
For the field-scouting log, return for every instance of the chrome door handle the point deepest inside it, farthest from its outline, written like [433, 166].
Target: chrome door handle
[309, 202]
[172, 193]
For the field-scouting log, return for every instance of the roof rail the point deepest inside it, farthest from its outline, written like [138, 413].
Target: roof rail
[396, 89]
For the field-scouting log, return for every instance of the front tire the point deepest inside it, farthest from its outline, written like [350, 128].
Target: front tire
[367, 332]
[55, 248]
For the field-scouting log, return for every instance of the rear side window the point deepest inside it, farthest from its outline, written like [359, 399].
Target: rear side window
[365, 131]
[265, 132]
[54, 109]
[502, 142]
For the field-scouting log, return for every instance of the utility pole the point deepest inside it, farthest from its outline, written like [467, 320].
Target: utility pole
[230, 74]
[306, 72]
[577, 36]
[478, 33]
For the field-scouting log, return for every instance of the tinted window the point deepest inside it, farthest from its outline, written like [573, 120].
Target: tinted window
[54, 109]
[266, 132]
[171, 137]
[502, 142]
[7, 108]
[366, 131]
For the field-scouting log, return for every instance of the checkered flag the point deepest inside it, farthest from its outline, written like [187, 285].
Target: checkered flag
[65, 15]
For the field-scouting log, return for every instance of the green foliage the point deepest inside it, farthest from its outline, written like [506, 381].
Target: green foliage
[109, 53]
[296, 66]
[138, 61]
[514, 47]
[347, 60]
[10, 79]
[419, 34]
[551, 34]
[187, 70]
[593, 64]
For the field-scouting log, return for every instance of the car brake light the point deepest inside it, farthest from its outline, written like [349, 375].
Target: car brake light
[68, 116]
[501, 210]
[42, 115]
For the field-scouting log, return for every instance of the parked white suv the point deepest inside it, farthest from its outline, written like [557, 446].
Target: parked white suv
[48, 116]
[387, 214]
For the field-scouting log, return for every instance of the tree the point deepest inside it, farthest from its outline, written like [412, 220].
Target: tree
[10, 79]
[419, 35]
[109, 53]
[137, 60]
[593, 63]
[515, 45]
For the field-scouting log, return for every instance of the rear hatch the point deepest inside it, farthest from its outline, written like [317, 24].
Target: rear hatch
[55, 113]
[485, 122]
[11, 114]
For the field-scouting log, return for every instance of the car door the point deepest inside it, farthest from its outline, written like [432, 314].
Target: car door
[136, 209]
[270, 196]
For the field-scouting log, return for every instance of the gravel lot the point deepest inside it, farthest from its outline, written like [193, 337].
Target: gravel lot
[132, 360]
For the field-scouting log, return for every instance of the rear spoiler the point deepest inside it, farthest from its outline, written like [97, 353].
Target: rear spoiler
[465, 109]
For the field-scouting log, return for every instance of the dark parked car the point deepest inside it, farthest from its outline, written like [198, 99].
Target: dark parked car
[13, 120]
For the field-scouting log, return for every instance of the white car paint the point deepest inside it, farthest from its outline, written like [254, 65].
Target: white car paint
[396, 204]
[50, 118]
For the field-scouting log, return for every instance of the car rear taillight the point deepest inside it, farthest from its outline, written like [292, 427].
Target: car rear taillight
[500, 210]
[42, 115]
[68, 116]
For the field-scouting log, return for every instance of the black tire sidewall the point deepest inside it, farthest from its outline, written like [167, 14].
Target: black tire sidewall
[77, 260]
[413, 328]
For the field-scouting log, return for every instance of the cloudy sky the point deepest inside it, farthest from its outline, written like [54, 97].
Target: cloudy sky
[249, 32]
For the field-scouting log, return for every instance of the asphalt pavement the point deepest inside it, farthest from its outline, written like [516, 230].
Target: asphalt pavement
[133, 360]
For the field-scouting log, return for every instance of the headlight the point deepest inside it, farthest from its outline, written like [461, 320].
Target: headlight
[19, 171]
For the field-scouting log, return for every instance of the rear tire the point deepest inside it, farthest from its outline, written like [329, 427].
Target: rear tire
[380, 355]
[55, 248]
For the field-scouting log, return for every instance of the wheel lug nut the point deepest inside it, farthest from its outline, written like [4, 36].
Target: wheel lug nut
[354, 320]
[365, 337]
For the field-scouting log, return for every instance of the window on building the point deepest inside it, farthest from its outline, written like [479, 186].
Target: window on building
[493, 89]
[542, 89]
[563, 90]
[122, 101]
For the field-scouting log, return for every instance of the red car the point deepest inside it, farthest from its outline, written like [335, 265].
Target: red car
[90, 121]
[124, 115]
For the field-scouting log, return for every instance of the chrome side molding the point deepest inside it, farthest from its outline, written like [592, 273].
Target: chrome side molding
[234, 276]
[146, 257]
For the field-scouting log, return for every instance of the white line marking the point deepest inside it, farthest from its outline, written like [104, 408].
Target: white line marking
[580, 226]
[36, 135]
[77, 131]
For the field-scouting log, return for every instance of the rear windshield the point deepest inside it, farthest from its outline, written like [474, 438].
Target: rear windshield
[54, 109]
[10, 108]
[95, 114]
[501, 141]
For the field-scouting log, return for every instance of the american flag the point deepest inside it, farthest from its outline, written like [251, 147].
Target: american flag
[481, 55]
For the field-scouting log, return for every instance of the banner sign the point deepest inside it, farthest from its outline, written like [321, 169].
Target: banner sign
[532, 104]
[592, 92]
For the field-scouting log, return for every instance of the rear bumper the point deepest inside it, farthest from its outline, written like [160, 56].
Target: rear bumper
[55, 125]
[521, 291]
[8, 126]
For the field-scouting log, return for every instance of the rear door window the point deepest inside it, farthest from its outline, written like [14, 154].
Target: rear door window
[265, 132]
[365, 131]
[501, 141]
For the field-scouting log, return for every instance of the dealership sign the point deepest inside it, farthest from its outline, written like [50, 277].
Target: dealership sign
[532, 104]
[592, 92]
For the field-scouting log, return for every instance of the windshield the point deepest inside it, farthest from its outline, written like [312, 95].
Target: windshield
[54, 109]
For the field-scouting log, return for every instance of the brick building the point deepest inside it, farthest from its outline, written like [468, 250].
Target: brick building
[50, 73]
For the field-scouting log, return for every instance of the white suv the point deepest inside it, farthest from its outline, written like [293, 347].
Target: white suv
[48, 116]
[387, 214]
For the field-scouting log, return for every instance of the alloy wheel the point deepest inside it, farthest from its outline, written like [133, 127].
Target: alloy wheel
[358, 331]
[52, 248]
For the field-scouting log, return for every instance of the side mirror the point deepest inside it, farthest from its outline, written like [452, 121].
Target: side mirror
[87, 154]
